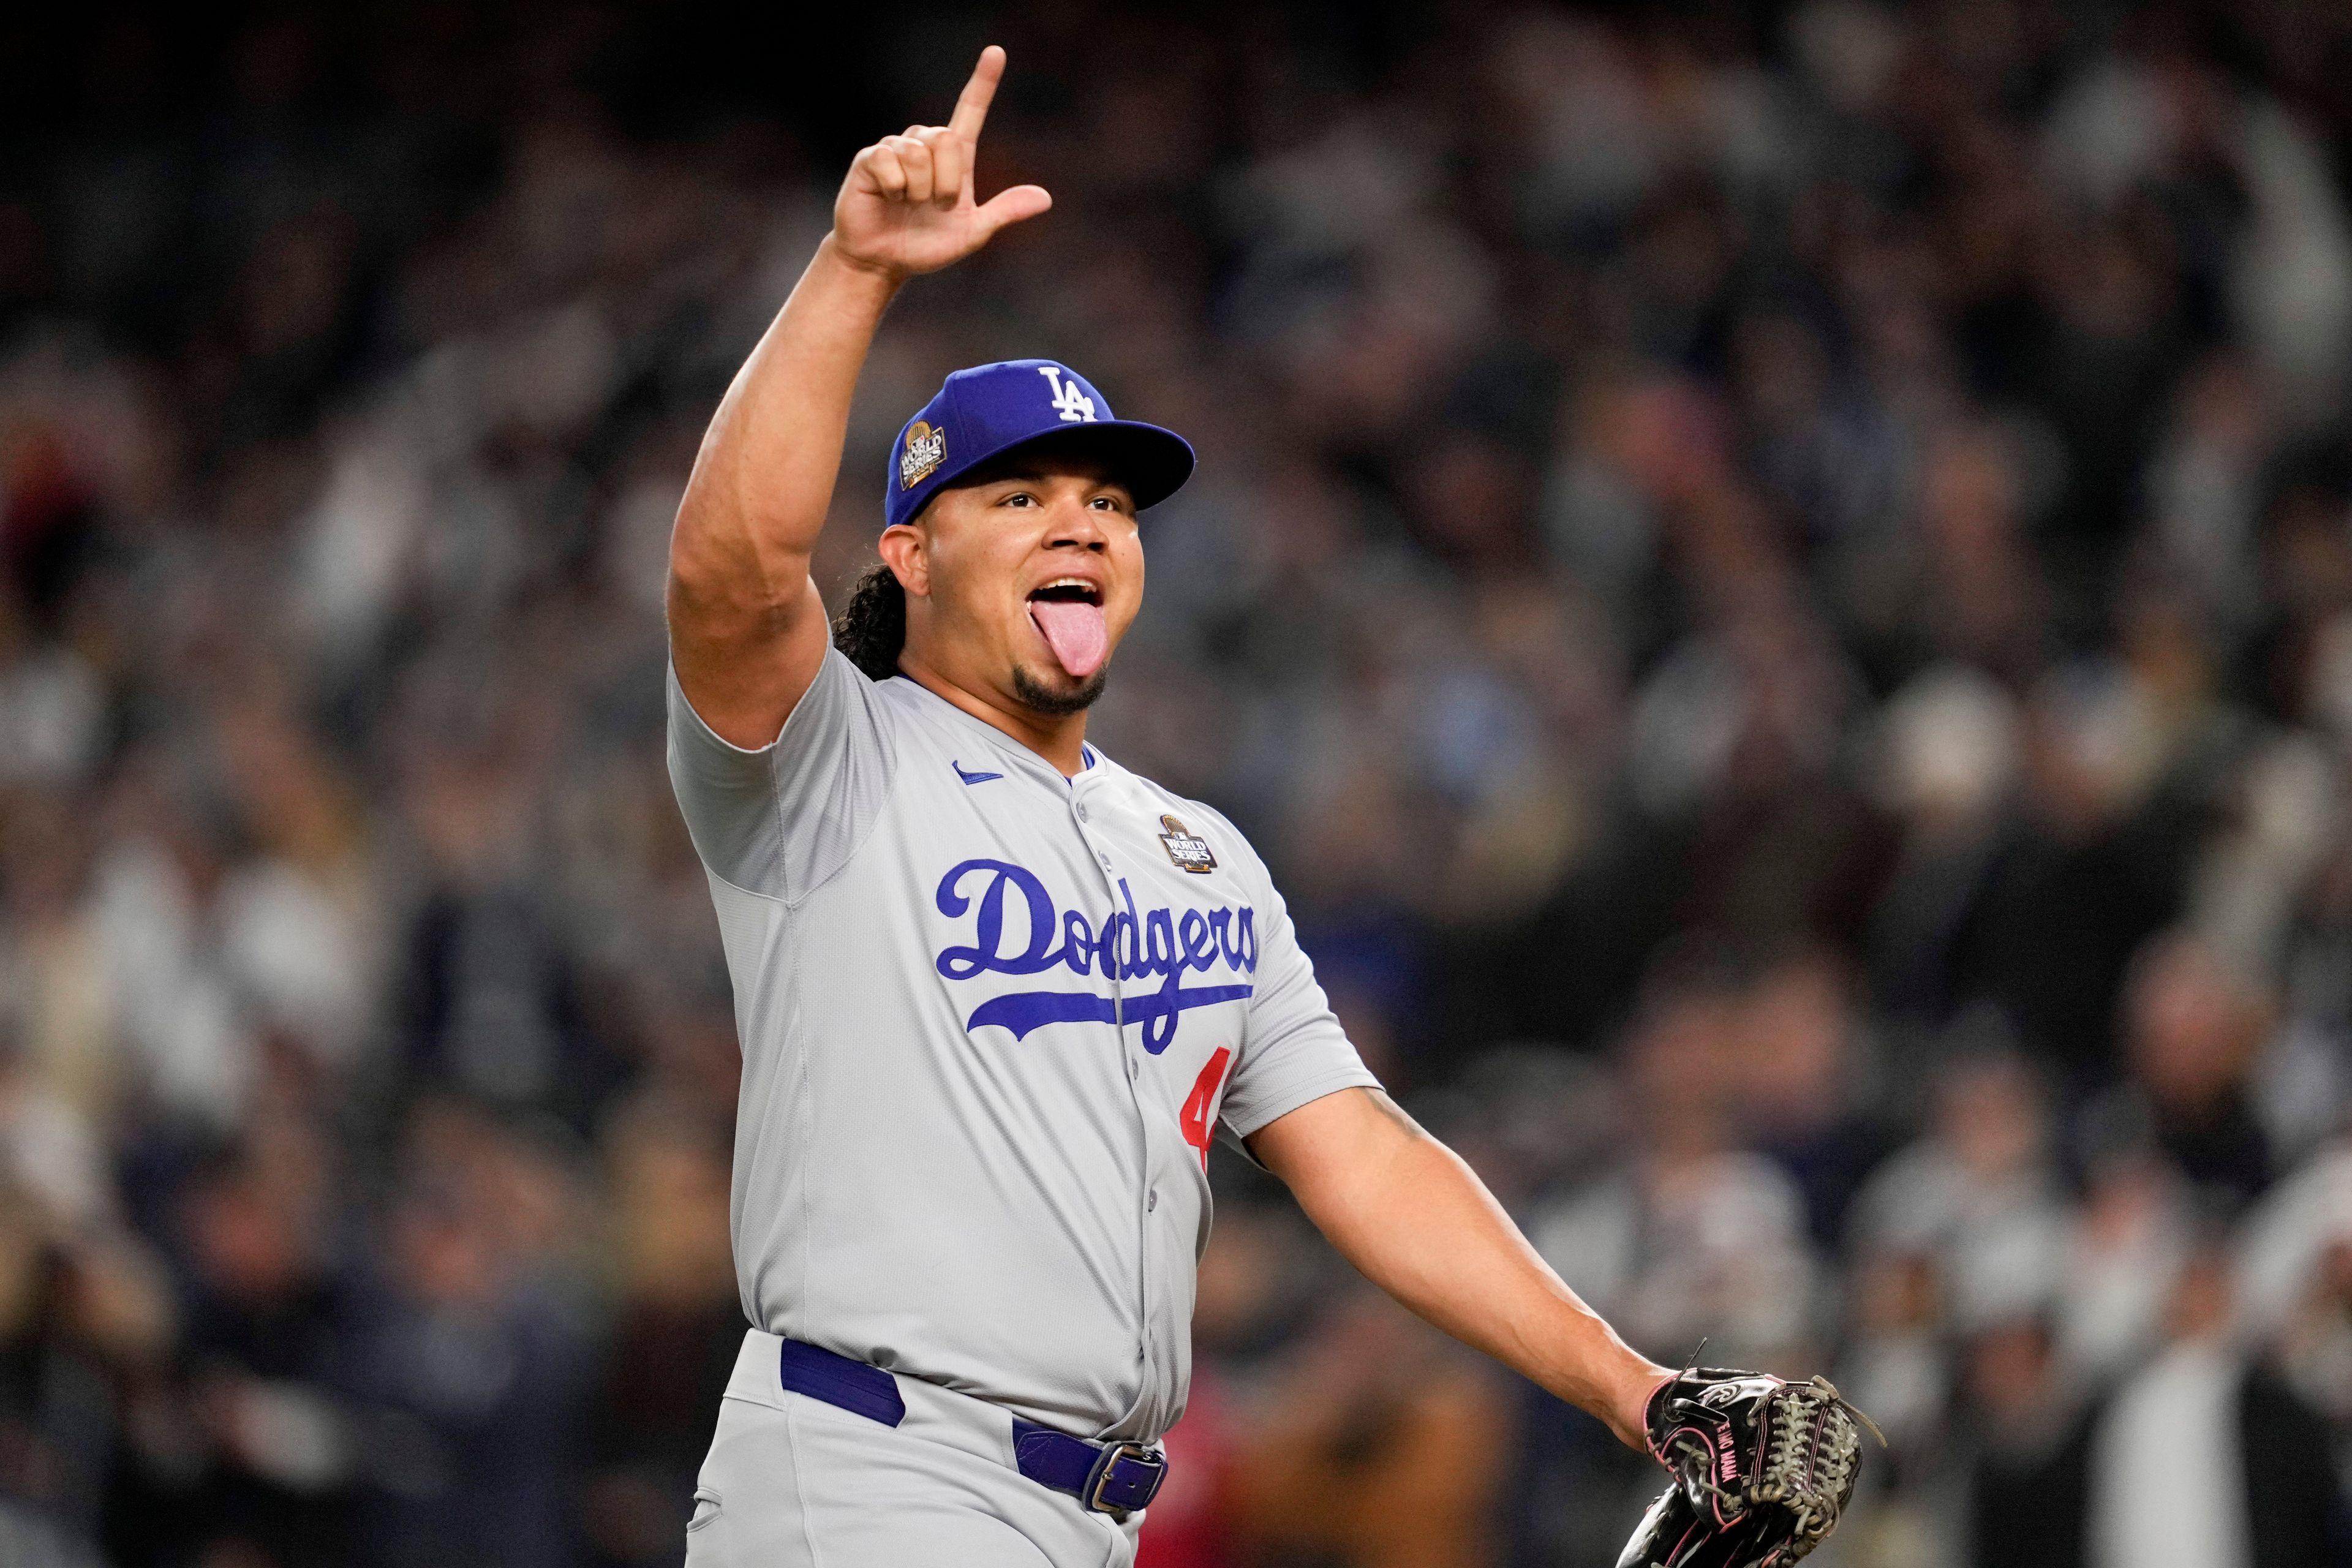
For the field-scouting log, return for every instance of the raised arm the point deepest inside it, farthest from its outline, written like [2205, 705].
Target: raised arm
[1417, 1221]
[747, 629]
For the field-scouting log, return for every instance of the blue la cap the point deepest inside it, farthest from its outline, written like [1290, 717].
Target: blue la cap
[989, 409]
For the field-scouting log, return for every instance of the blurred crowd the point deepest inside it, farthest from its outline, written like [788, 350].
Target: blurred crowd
[1774, 581]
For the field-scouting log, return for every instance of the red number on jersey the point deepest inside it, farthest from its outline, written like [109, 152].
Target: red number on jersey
[1197, 1127]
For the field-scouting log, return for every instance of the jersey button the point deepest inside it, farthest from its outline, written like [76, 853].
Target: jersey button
[1082, 814]
[1150, 1201]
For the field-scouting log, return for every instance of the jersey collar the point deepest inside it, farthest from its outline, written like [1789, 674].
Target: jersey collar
[1010, 750]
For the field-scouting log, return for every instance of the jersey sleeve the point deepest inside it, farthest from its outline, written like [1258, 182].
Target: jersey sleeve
[1293, 1049]
[780, 820]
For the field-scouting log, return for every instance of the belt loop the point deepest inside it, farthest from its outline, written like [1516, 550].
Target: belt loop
[852, 1385]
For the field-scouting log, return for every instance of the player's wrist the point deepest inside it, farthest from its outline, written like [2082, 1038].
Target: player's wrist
[1629, 1411]
[869, 272]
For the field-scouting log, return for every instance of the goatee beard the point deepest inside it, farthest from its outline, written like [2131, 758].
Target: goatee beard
[1040, 698]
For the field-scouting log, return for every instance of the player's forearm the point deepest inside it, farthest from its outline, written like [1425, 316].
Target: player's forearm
[1410, 1214]
[764, 480]
[747, 626]
[1426, 1230]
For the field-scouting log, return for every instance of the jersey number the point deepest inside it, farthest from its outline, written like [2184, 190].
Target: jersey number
[1197, 1127]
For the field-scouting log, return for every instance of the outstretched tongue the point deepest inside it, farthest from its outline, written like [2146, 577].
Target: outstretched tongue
[1076, 632]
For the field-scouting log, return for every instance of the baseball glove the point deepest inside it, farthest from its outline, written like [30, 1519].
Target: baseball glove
[1762, 1469]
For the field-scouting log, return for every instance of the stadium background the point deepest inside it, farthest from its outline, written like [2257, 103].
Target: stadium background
[1776, 582]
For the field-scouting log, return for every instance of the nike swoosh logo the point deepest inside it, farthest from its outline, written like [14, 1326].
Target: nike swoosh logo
[971, 778]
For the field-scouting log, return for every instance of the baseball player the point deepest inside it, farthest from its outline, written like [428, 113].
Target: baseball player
[995, 992]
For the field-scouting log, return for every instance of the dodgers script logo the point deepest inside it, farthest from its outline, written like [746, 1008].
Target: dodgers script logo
[1159, 944]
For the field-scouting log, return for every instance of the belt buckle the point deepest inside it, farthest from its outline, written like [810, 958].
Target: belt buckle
[1108, 1463]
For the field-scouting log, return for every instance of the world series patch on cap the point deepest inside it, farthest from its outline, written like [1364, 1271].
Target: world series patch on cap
[990, 410]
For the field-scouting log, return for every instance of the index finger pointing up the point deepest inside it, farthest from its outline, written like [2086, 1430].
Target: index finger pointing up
[972, 109]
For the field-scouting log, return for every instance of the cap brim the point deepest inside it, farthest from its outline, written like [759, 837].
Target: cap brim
[1152, 463]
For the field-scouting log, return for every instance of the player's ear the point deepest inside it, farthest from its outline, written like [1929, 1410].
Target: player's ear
[905, 550]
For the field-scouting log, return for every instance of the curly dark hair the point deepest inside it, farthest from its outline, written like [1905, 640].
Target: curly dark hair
[872, 628]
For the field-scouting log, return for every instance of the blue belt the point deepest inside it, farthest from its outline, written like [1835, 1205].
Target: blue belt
[1109, 1477]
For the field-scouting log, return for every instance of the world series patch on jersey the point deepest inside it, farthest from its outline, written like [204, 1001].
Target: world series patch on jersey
[1188, 850]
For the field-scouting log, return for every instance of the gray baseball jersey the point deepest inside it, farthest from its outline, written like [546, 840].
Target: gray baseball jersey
[990, 1018]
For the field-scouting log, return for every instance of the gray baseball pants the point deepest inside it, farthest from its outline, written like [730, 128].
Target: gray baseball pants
[795, 1482]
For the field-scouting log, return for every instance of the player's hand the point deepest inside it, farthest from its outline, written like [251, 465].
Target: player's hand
[909, 206]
